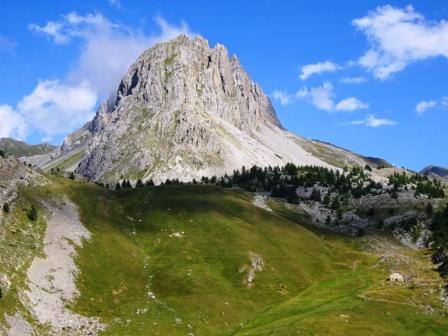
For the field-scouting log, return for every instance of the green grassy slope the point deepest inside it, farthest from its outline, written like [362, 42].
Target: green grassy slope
[20, 241]
[312, 282]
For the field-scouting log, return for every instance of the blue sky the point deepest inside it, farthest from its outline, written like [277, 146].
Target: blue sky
[369, 76]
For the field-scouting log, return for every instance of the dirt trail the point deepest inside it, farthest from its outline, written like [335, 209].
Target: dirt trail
[51, 279]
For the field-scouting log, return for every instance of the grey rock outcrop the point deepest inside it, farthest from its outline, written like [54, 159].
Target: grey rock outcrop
[14, 173]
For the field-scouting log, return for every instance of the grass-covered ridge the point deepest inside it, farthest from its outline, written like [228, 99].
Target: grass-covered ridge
[174, 260]
[19, 148]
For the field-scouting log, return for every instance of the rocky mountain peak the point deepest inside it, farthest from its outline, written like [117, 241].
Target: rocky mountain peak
[184, 110]
[185, 74]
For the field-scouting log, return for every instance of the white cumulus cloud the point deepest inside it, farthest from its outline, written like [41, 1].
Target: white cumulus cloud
[107, 48]
[12, 125]
[317, 68]
[322, 97]
[399, 37]
[57, 108]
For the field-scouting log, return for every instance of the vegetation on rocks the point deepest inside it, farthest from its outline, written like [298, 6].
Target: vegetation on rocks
[439, 227]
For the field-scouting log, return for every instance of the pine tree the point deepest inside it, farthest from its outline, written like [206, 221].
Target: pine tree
[32, 213]
[6, 208]
[339, 213]
[139, 184]
[126, 184]
[327, 199]
[315, 195]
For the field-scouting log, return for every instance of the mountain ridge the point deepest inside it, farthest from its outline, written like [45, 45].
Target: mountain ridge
[19, 148]
[437, 171]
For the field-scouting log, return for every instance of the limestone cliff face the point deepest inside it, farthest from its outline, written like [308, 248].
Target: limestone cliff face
[184, 110]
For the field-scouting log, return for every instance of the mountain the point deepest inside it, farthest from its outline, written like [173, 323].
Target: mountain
[19, 148]
[435, 171]
[185, 110]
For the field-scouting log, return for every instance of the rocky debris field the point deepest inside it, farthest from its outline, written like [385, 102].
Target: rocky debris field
[51, 278]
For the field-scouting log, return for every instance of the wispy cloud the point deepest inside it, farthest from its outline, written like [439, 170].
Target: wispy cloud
[350, 104]
[283, 97]
[321, 97]
[426, 105]
[308, 70]
[7, 45]
[115, 3]
[399, 37]
[353, 80]
[372, 121]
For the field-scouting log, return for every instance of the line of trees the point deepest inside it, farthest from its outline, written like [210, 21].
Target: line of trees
[283, 182]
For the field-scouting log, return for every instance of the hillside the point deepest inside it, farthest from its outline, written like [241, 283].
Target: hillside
[19, 148]
[205, 260]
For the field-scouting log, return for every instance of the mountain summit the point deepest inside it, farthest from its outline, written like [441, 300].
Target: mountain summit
[185, 110]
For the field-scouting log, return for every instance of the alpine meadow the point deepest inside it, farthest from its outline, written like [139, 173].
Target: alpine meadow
[149, 185]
